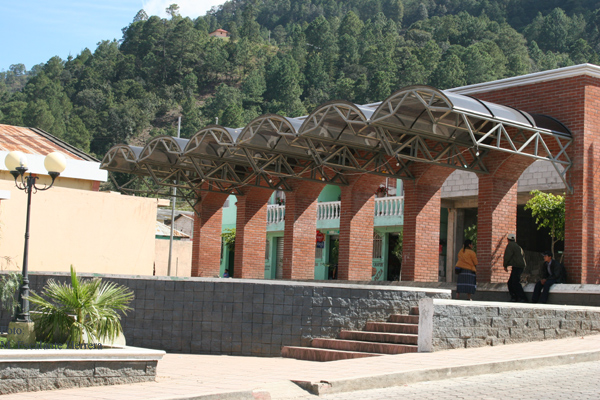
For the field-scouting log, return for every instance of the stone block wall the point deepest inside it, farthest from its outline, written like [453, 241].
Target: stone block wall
[540, 175]
[47, 375]
[248, 317]
[452, 324]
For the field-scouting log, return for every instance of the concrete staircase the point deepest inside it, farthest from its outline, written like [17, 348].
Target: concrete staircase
[398, 335]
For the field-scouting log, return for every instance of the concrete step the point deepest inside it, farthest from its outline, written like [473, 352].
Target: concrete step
[365, 347]
[398, 335]
[383, 337]
[404, 319]
[392, 327]
[316, 354]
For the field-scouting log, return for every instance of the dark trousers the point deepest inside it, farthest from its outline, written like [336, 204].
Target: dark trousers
[543, 289]
[514, 285]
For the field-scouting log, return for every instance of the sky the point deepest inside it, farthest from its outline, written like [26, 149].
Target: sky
[33, 31]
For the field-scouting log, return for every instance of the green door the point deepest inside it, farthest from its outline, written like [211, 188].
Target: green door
[380, 250]
[322, 258]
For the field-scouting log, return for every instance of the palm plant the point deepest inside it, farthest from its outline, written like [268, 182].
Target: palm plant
[84, 310]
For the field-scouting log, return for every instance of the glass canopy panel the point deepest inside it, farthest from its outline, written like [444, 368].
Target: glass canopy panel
[214, 143]
[271, 134]
[137, 150]
[296, 123]
[121, 158]
[341, 123]
[507, 114]
[546, 122]
[367, 111]
[163, 150]
[466, 103]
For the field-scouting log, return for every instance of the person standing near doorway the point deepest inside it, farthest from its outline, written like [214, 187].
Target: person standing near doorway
[515, 258]
[466, 267]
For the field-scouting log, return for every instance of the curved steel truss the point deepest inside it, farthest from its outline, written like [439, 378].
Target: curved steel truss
[415, 124]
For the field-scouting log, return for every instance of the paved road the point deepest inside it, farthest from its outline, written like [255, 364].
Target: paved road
[571, 382]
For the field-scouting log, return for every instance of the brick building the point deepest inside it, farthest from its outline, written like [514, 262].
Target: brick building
[455, 157]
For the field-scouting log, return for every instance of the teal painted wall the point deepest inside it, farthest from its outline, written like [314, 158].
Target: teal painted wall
[271, 255]
[381, 264]
[229, 214]
[330, 193]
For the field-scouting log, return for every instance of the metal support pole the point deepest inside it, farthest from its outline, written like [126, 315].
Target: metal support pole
[172, 230]
[23, 315]
[173, 201]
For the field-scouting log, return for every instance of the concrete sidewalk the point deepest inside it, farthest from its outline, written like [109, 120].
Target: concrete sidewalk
[188, 376]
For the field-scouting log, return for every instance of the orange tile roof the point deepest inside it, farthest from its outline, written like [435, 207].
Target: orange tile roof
[36, 141]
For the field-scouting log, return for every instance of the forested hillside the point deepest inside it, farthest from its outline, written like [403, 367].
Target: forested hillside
[286, 57]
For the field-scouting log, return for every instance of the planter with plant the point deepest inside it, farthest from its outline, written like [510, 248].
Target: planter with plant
[84, 311]
[381, 191]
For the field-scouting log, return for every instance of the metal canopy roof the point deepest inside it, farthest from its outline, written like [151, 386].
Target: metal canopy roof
[415, 124]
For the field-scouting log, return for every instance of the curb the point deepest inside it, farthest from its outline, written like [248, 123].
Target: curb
[435, 374]
[240, 395]
[398, 378]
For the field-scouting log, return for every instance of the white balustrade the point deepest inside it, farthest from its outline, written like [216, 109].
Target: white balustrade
[389, 206]
[275, 213]
[329, 210]
[384, 207]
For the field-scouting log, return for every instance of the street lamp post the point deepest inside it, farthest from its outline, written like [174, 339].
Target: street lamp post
[16, 162]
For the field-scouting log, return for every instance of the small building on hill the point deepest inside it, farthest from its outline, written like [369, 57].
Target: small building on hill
[220, 33]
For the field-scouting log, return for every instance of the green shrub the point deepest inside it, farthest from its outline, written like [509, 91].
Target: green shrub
[9, 291]
[87, 310]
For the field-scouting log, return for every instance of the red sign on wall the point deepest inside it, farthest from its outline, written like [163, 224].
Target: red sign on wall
[320, 236]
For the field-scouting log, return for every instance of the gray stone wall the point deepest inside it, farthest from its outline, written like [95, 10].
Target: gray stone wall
[33, 376]
[451, 324]
[540, 175]
[248, 317]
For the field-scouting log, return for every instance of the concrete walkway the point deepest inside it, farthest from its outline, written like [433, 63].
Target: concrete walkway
[187, 376]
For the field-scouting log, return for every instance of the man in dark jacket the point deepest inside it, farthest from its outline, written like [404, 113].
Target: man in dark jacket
[550, 274]
[514, 258]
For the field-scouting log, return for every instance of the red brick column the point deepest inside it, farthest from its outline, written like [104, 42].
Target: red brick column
[206, 248]
[422, 207]
[582, 208]
[355, 261]
[496, 217]
[497, 212]
[575, 101]
[251, 234]
[300, 230]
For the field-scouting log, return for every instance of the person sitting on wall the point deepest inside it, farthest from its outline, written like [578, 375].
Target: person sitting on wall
[514, 258]
[226, 274]
[550, 274]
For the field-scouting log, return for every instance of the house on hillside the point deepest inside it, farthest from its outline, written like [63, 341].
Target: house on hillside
[219, 33]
